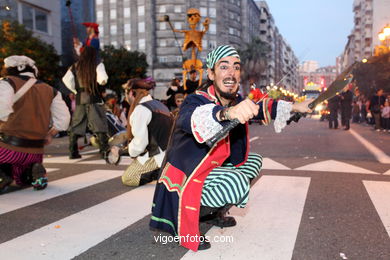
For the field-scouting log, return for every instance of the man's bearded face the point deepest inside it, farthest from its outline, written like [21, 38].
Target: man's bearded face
[226, 77]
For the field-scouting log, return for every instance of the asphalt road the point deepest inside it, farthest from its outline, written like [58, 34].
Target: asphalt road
[322, 194]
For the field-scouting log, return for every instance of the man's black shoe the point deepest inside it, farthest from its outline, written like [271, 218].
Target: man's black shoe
[222, 221]
[74, 156]
[39, 177]
[204, 244]
[5, 181]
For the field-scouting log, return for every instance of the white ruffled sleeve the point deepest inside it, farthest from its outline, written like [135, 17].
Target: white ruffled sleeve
[203, 124]
[283, 111]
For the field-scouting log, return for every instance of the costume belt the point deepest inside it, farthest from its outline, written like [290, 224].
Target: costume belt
[21, 142]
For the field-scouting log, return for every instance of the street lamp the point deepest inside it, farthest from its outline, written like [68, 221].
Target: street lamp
[384, 38]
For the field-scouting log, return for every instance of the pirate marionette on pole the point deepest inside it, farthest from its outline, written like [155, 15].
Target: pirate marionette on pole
[193, 40]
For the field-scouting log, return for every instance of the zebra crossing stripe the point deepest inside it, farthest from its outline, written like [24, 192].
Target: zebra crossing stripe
[379, 194]
[64, 159]
[26, 197]
[267, 228]
[71, 236]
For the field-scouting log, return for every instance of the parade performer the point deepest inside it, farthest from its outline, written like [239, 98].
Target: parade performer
[195, 175]
[83, 79]
[92, 38]
[148, 130]
[27, 105]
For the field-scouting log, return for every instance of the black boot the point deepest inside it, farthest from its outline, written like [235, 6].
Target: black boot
[217, 217]
[5, 179]
[38, 173]
[73, 146]
[103, 144]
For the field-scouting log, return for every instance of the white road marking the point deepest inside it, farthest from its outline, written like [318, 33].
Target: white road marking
[269, 164]
[267, 228]
[64, 159]
[334, 166]
[379, 154]
[49, 170]
[26, 197]
[71, 236]
[379, 192]
[125, 160]
[89, 152]
[253, 139]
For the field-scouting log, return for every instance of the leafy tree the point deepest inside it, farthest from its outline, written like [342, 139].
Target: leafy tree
[122, 65]
[15, 39]
[254, 60]
[373, 75]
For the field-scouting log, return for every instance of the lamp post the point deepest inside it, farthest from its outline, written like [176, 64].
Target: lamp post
[384, 38]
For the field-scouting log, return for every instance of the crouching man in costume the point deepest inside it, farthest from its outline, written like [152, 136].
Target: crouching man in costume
[27, 106]
[148, 130]
[195, 175]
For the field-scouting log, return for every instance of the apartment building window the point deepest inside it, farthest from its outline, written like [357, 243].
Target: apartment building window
[204, 43]
[177, 9]
[163, 26]
[212, 44]
[113, 14]
[163, 43]
[126, 12]
[213, 28]
[34, 18]
[114, 43]
[41, 21]
[112, 1]
[127, 28]
[141, 27]
[99, 15]
[179, 58]
[99, 2]
[231, 30]
[141, 44]
[141, 10]
[113, 29]
[101, 31]
[203, 11]
[162, 59]
[178, 25]
[212, 12]
[162, 9]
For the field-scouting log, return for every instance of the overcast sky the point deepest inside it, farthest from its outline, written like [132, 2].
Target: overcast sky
[315, 29]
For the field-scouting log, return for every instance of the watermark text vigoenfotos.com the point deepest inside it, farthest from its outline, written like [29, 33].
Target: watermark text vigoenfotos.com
[164, 239]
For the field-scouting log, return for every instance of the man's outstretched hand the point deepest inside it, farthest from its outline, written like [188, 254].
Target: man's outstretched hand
[243, 111]
[302, 107]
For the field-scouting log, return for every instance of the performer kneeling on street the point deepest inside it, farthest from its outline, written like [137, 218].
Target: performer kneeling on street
[27, 105]
[196, 175]
[148, 130]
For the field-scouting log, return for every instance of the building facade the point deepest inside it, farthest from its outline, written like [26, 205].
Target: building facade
[322, 77]
[138, 25]
[370, 17]
[42, 17]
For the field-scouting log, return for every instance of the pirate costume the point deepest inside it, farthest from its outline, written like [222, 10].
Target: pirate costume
[196, 175]
[90, 110]
[151, 124]
[24, 124]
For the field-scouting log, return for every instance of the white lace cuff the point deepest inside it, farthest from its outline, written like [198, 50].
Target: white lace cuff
[203, 124]
[283, 111]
